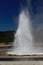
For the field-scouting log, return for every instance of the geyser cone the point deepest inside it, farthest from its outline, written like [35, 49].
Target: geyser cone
[23, 44]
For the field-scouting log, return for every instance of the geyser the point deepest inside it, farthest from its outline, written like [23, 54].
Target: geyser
[24, 43]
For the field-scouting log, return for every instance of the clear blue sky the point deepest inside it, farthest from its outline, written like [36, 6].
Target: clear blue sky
[9, 10]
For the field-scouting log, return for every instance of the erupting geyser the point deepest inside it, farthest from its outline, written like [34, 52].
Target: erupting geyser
[23, 44]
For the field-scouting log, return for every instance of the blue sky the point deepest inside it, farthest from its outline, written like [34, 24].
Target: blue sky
[10, 9]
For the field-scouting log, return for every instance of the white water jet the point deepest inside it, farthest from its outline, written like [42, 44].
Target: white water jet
[23, 44]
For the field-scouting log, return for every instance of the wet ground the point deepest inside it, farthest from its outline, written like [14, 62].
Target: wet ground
[21, 60]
